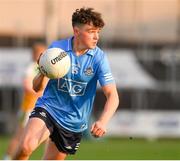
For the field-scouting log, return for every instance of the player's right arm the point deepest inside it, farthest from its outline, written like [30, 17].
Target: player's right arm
[38, 82]
[38, 79]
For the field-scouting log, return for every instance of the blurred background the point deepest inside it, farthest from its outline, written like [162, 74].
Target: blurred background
[142, 41]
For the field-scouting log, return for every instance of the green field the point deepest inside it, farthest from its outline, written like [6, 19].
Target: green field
[113, 148]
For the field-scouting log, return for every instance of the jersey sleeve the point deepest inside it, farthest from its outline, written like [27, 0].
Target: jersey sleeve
[51, 45]
[54, 44]
[104, 72]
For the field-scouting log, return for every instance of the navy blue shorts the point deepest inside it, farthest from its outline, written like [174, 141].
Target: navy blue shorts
[66, 141]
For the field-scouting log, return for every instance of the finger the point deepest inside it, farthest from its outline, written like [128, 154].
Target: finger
[92, 127]
[95, 129]
[39, 58]
[98, 132]
[102, 133]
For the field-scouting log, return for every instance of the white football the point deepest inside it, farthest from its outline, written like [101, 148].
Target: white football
[54, 63]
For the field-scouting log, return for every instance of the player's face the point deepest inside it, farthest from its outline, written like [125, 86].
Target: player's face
[88, 35]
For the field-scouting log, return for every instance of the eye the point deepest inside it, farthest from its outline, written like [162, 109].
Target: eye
[90, 31]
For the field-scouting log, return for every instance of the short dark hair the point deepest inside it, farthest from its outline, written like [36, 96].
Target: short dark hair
[87, 16]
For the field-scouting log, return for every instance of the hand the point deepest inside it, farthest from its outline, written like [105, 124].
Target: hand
[98, 129]
[40, 70]
[39, 58]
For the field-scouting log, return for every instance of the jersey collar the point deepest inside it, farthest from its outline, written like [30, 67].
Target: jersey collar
[69, 47]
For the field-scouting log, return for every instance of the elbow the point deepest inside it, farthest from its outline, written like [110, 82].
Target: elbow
[35, 87]
[35, 90]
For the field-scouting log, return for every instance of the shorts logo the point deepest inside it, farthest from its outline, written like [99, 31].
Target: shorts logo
[43, 114]
[77, 146]
[68, 147]
[33, 112]
[74, 88]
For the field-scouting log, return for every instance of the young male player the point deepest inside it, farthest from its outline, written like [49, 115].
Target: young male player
[63, 111]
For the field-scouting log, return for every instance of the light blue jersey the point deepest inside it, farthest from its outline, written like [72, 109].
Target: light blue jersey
[69, 100]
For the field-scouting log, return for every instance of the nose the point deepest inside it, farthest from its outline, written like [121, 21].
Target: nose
[96, 36]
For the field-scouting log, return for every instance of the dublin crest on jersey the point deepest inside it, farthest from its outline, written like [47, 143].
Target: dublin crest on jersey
[89, 71]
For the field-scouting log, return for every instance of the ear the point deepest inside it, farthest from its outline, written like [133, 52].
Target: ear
[76, 30]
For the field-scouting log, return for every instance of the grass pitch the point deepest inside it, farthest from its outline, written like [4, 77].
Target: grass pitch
[116, 149]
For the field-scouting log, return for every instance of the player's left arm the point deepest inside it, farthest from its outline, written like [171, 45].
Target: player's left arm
[98, 128]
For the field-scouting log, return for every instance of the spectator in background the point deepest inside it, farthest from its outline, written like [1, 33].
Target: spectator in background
[29, 98]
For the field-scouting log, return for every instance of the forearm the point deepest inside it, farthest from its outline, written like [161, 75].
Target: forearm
[38, 81]
[109, 108]
[98, 128]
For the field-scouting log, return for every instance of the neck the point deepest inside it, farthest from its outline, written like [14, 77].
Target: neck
[78, 48]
